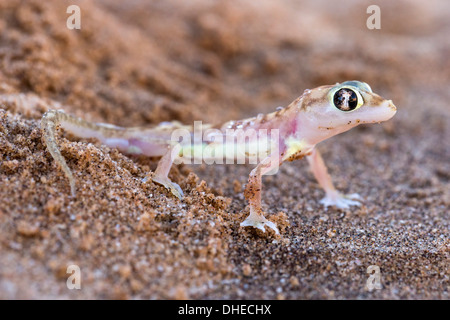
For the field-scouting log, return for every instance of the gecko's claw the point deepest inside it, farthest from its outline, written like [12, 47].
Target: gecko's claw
[171, 186]
[341, 201]
[257, 220]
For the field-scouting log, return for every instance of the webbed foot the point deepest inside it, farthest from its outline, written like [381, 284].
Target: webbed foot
[257, 220]
[171, 186]
[341, 201]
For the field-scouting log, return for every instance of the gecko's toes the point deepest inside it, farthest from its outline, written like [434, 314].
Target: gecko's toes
[171, 186]
[341, 201]
[353, 196]
[258, 221]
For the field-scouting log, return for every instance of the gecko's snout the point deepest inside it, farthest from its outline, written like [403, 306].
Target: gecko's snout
[382, 111]
[392, 106]
[387, 111]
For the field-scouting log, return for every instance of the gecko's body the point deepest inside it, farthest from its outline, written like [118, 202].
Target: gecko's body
[293, 132]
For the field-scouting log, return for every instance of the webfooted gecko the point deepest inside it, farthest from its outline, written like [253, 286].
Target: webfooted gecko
[316, 115]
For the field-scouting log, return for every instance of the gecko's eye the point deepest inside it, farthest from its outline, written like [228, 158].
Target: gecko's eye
[346, 99]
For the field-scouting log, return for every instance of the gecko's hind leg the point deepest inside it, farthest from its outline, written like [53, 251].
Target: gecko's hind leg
[256, 217]
[161, 174]
[48, 125]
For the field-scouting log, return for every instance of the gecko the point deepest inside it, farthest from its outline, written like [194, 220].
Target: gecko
[315, 116]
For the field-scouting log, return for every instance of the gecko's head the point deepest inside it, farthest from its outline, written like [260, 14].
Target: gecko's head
[343, 106]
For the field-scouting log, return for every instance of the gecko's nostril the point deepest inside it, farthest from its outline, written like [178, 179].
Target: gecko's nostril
[392, 106]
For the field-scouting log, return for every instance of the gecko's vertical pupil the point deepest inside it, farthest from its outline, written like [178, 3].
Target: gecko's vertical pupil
[345, 99]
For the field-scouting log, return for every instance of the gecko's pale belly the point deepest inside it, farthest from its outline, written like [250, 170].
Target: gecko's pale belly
[237, 147]
[253, 151]
[134, 146]
[250, 151]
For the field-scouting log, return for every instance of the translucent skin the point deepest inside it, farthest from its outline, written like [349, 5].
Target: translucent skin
[308, 120]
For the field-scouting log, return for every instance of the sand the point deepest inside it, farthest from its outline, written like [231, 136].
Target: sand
[139, 63]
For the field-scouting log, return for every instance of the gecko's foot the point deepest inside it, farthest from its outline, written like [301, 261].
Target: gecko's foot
[257, 220]
[171, 186]
[341, 201]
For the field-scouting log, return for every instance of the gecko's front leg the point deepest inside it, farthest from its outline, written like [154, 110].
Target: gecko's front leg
[253, 195]
[332, 196]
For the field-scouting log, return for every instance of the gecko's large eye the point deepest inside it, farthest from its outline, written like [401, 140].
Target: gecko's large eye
[346, 99]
